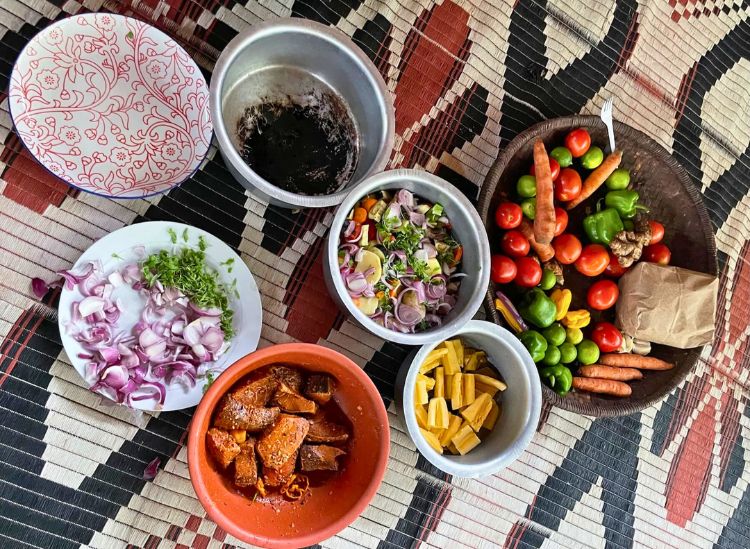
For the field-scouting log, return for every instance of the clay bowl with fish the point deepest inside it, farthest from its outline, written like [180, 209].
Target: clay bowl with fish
[288, 446]
[301, 113]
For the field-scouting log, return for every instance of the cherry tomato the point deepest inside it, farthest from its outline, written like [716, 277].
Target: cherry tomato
[529, 272]
[593, 260]
[657, 253]
[502, 269]
[614, 269]
[578, 142]
[602, 295]
[508, 215]
[607, 337]
[568, 185]
[515, 244]
[567, 248]
[554, 168]
[561, 221]
[657, 231]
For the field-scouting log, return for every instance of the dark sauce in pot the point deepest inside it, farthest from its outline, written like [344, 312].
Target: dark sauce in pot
[304, 145]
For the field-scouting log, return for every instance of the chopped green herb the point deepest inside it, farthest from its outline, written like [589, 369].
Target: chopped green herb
[185, 235]
[187, 271]
[209, 381]
[434, 213]
[172, 235]
[421, 269]
[229, 261]
[116, 256]
[202, 243]
[381, 287]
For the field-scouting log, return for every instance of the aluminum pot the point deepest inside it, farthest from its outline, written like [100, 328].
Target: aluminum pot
[467, 229]
[287, 58]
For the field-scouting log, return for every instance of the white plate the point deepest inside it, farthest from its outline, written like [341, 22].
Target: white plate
[111, 105]
[119, 248]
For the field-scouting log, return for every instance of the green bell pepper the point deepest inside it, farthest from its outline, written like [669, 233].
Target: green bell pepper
[601, 227]
[558, 377]
[534, 343]
[537, 308]
[625, 202]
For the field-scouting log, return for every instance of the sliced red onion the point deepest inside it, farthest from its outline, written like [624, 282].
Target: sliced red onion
[131, 273]
[72, 278]
[417, 219]
[349, 228]
[149, 390]
[115, 279]
[39, 287]
[114, 376]
[436, 288]
[149, 473]
[405, 198]
[213, 311]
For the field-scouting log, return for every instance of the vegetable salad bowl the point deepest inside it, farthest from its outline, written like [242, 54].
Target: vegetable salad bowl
[467, 231]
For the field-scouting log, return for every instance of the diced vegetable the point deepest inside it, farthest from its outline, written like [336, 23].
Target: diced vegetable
[439, 382]
[453, 426]
[432, 440]
[420, 393]
[469, 389]
[477, 412]
[491, 419]
[465, 440]
[437, 413]
[457, 391]
[421, 414]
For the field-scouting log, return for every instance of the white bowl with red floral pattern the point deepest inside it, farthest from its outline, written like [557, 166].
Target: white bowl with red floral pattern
[111, 105]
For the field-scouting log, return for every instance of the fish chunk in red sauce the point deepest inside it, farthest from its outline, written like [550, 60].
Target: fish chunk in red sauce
[279, 432]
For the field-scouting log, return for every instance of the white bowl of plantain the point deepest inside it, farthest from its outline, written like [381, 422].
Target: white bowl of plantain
[471, 403]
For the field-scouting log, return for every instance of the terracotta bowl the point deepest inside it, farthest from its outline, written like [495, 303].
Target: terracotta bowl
[330, 507]
[674, 200]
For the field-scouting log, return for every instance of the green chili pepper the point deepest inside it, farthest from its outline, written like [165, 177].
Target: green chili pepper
[601, 227]
[625, 202]
[559, 378]
[537, 308]
[534, 343]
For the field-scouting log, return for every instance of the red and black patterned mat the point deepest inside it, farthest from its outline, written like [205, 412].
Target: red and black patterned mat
[467, 76]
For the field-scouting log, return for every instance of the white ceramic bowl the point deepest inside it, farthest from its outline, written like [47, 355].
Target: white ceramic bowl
[467, 228]
[521, 402]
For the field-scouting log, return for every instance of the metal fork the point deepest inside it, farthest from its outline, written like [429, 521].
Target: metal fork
[606, 116]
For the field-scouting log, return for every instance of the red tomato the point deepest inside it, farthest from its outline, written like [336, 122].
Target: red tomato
[578, 142]
[515, 244]
[594, 259]
[657, 231]
[602, 295]
[554, 168]
[508, 215]
[529, 272]
[614, 269]
[502, 269]
[607, 337]
[567, 248]
[561, 220]
[568, 185]
[657, 253]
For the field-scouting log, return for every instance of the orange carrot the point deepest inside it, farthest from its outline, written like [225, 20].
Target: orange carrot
[368, 203]
[544, 251]
[596, 178]
[630, 360]
[360, 215]
[610, 372]
[603, 386]
[544, 220]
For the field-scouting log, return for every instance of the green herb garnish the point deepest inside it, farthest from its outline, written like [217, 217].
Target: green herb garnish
[209, 381]
[172, 235]
[187, 271]
[185, 235]
[421, 269]
[116, 256]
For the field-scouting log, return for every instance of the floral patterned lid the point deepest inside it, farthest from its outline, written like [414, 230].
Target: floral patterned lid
[111, 105]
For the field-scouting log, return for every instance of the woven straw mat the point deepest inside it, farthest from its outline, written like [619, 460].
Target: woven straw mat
[467, 75]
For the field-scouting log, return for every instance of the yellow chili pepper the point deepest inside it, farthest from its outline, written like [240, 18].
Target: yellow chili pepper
[561, 299]
[577, 319]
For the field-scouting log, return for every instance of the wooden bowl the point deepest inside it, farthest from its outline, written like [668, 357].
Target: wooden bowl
[330, 507]
[674, 201]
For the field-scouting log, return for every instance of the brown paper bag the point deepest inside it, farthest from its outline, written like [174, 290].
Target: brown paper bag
[667, 305]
